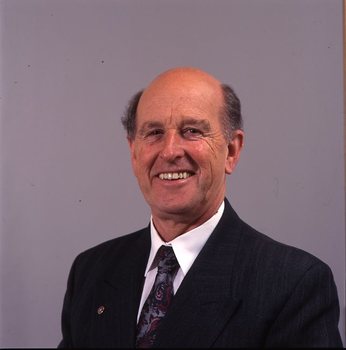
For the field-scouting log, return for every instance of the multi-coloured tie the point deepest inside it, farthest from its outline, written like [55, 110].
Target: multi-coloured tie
[157, 303]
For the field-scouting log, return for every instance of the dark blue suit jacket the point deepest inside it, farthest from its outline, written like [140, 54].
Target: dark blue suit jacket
[243, 290]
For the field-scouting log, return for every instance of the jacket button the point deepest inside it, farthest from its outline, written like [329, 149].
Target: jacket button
[100, 310]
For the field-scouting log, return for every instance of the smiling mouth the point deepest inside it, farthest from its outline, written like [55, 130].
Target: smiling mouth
[175, 176]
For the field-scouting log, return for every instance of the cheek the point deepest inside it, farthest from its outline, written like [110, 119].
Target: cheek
[142, 159]
[138, 152]
[136, 159]
[212, 153]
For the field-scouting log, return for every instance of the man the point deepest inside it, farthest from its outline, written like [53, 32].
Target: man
[223, 284]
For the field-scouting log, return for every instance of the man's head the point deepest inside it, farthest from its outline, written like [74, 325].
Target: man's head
[230, 114]
[184, 132]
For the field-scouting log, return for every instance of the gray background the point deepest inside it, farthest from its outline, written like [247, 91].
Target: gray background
[67, 71]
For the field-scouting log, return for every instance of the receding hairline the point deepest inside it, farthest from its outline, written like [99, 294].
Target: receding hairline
[230, 111]
[189, 76]
[184, 72]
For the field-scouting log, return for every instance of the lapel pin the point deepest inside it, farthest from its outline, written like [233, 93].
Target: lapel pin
[100, 310]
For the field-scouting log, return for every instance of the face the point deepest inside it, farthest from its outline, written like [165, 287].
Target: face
[179, 153]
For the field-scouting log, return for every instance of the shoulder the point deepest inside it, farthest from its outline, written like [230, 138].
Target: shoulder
[261, 247]
[267, 249]
[278, 268]
[114, 245]
[96, 260]
[266, 259]
[268, 274]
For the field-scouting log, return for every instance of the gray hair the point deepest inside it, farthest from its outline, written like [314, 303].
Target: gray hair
[231, 117]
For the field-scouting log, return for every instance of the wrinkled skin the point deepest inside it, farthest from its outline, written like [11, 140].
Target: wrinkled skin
[178, 130]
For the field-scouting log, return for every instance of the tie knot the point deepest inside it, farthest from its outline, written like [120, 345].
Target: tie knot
[165, 260]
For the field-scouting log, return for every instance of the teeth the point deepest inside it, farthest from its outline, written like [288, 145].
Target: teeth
[174, 176]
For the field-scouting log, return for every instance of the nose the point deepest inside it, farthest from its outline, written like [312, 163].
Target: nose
[172, 146]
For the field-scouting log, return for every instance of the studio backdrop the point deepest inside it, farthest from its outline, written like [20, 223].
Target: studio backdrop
[68, 68]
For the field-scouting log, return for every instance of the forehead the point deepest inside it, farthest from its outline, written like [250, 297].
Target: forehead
[177, 97]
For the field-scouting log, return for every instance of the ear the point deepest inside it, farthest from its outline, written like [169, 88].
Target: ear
[234, 147]
[131, 144]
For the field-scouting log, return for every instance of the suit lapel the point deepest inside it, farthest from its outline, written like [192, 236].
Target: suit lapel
[206, 299]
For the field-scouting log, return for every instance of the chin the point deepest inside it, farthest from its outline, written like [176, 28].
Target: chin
[181, 208]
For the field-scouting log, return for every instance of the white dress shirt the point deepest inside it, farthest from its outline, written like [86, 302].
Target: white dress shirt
[186, 247]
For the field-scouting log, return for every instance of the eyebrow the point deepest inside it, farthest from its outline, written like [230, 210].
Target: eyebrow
[203, 124]
[150, 125]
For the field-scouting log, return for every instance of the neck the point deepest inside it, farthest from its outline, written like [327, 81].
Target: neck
[172, 226]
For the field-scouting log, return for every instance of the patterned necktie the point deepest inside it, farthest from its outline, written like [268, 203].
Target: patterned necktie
[156, 305]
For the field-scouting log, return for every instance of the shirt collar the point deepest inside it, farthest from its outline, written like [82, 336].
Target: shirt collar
[187, 246]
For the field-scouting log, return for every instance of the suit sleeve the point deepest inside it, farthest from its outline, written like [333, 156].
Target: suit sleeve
[310, 316]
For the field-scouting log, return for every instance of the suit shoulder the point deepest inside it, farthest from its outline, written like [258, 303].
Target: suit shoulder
[258, 248]
[126, 239]
[276, 253]
[116, 247]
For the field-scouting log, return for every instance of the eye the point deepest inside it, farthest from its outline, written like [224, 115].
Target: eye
[153, 133]
[192, 132]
